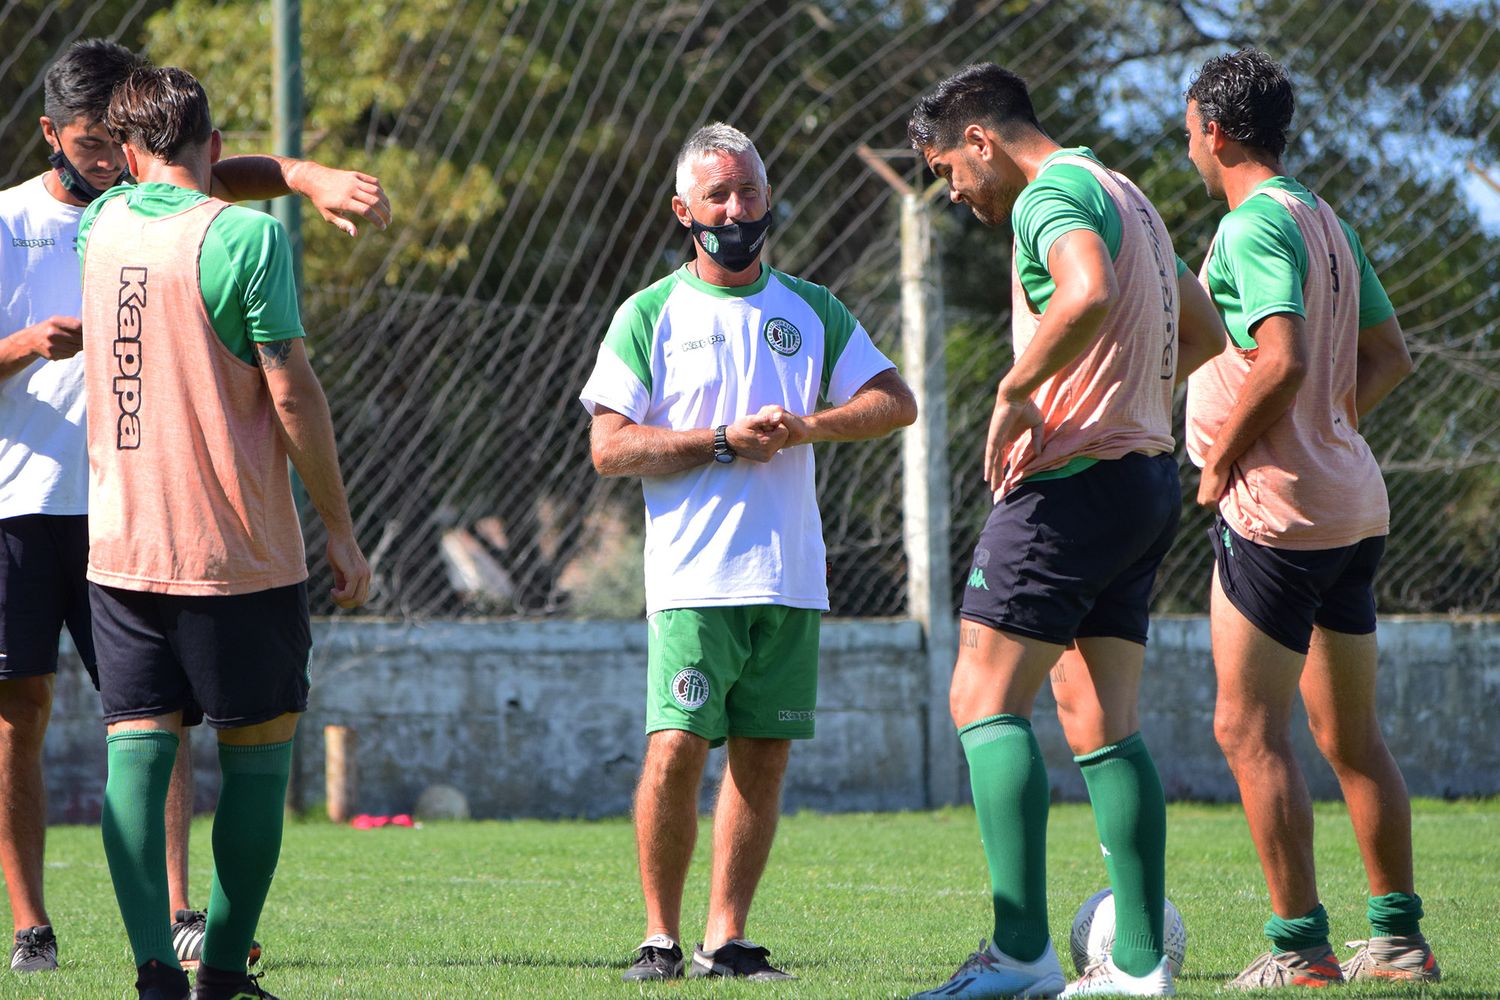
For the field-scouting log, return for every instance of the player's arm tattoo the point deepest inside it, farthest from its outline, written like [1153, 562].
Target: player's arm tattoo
[274, 355]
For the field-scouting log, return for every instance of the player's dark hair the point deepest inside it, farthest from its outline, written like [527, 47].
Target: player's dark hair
[78, 84]
[162, 111]
[1250, 97]
[983, 94]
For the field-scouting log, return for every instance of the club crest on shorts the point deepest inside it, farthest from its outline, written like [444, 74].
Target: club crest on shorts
[784, 338]
[690, 688]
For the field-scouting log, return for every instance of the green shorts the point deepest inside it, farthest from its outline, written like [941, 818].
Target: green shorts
[750, 670]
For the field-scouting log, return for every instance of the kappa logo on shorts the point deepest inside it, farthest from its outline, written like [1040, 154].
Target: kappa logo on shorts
[792, 715]
[784, 338]
[976, 579]
[690, 689]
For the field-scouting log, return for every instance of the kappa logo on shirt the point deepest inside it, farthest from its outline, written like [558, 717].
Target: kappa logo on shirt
[33, 243]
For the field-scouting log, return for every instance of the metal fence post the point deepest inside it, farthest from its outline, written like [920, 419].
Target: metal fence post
[925, 481]
[286, 96]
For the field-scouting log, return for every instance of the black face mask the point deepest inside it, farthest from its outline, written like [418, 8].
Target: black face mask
[74, 182]
[734, 246]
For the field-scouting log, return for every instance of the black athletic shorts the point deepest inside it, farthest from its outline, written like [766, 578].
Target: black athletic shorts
[1285, 592]
[43, 559]
[241, 659]
[1075, 558]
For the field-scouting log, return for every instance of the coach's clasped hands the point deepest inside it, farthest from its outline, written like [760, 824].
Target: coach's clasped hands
[759, 435]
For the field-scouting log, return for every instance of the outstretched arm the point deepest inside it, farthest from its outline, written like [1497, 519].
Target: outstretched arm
[307, 429]
[622, 447]
[880, 406]
[338, 195]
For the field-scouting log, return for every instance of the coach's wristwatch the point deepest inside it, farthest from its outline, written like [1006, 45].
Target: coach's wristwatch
[722, 451]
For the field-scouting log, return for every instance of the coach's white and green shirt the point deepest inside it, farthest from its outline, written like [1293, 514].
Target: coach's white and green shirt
[685, 354]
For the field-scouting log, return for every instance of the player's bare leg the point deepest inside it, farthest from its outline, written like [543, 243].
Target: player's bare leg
[995, 683]
[1257, 684]
[997, 673]
[744, 826]
[666, 824]
[1338, 689]
[179, 820]
[1097, 686]
[25, 707]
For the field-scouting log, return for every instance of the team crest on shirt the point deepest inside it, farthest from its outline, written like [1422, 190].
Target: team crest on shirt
[690, 688]
[784, 338]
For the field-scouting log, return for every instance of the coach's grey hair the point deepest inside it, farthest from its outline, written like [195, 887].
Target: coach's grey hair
[715, 138]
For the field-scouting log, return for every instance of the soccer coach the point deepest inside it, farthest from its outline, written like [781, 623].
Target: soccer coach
[198, 390]
[706, 387]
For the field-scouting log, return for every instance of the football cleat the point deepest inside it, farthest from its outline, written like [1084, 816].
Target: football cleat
[242, 987]
[990, 973]
[154, 981]
[1315, 966]
[1399, 959]
[658, 957]
[737, 959]
[1105, 979]
[188, 930]
[35, 950]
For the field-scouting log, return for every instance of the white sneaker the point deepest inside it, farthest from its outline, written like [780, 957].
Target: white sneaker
[1105, 979]
[990, 973]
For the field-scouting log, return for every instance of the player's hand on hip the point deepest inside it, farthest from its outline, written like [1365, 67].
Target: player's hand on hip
[1011, 419]
[351, 573]
[340, 196]
[1212, 485]
[759, 435]
[55, 338]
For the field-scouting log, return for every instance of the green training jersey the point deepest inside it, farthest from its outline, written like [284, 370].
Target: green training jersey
[244, 265]
[1259, 265]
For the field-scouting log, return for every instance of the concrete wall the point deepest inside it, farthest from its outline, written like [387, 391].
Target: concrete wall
[544, 719]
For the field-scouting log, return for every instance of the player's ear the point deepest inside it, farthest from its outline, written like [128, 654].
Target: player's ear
[130, 162]
[49, 132]
[979, 142]
[680, 209]
[215, 146]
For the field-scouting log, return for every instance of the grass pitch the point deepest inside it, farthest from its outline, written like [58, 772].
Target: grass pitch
[855, 905]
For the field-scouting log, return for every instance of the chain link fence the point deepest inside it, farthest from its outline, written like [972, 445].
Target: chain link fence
[527, 147]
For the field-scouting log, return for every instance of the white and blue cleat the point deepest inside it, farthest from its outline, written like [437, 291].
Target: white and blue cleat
[989, 973]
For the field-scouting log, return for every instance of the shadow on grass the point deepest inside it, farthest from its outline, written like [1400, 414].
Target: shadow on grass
[515, 960]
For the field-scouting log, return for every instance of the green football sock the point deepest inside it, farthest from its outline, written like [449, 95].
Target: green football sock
[1396, 914]
[1011, 801]
[1298, 933]
[247, 843]
[1130, 813]
[134, 825]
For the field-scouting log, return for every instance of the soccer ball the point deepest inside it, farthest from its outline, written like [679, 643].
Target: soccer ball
[1093, 932]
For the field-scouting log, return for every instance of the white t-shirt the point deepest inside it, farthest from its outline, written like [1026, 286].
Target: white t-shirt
[686, 355]
[44, 466]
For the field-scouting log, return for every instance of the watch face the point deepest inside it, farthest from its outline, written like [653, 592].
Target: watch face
[723, 456]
